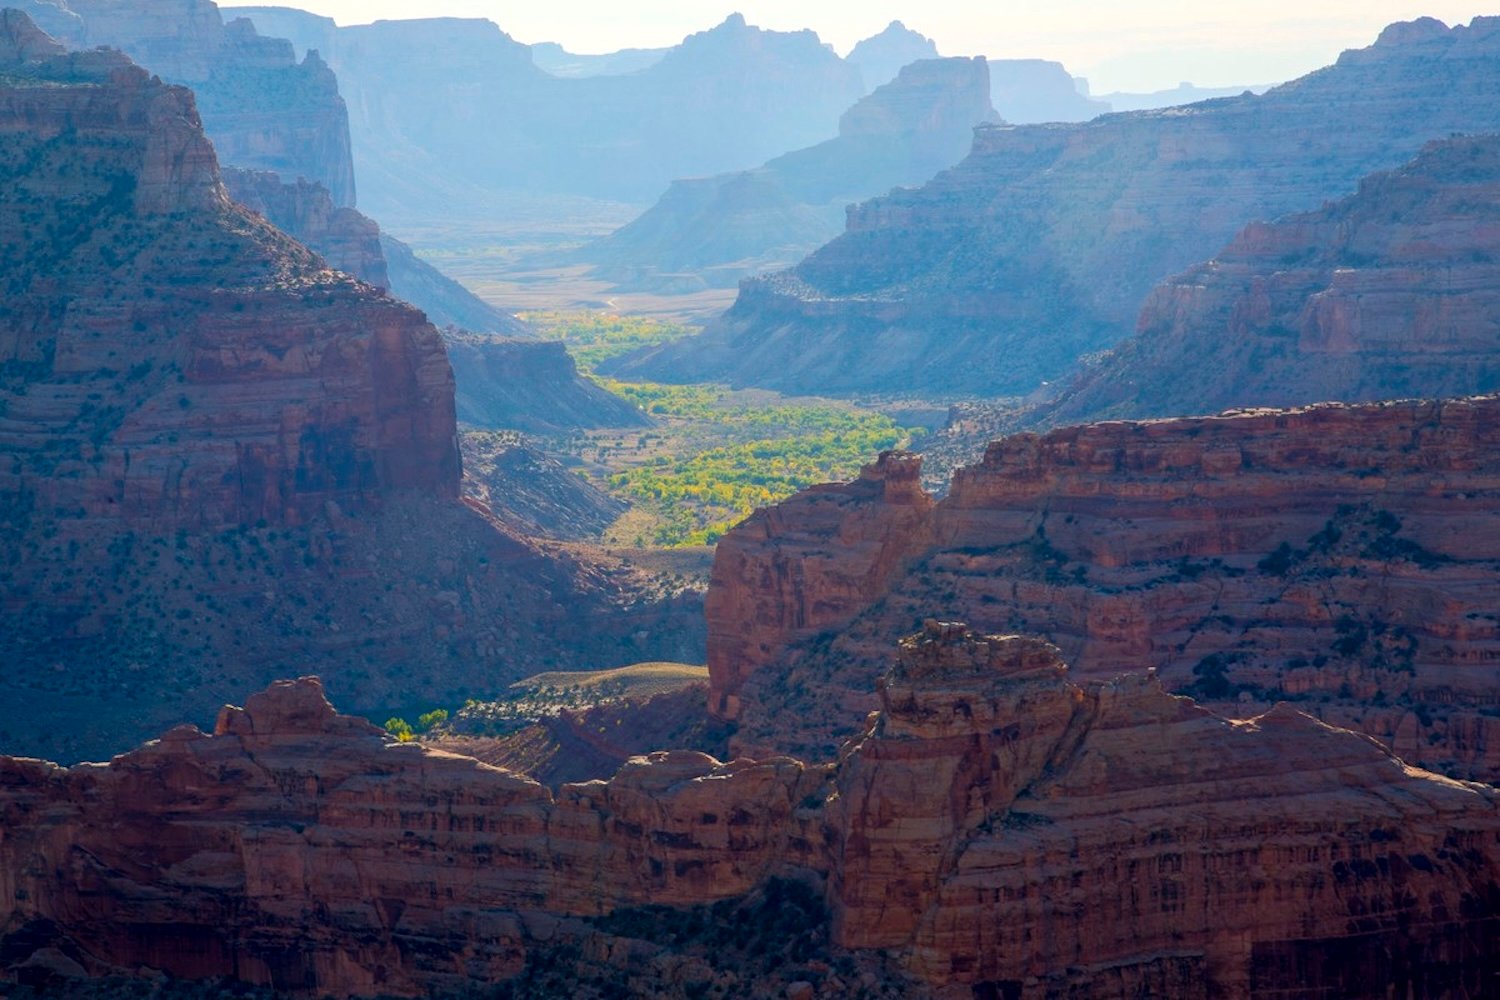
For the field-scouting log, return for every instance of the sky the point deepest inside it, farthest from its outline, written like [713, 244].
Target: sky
[1139, 45]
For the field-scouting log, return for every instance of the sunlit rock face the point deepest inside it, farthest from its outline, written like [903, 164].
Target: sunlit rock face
[1337, 556]
[998, 829]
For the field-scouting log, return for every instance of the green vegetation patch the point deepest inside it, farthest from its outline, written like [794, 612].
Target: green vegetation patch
[770, 452]
[595, 337]
[715, 454]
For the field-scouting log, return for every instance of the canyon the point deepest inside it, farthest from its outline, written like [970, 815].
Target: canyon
[721, 229]
[1000, 273]
[225, 459]
[263, 108]
[970, 835]
[1338, 557]
[1386, 294]
[461, 105]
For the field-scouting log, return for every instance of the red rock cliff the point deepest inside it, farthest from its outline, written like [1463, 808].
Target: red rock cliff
[225, 460]
[1341, 556]
[1386, 294]
[998, 829]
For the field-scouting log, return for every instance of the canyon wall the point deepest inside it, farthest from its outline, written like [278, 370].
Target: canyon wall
[1339, 557]
[225, 460]
[997, 830]
[353, 242]
[263, 108]
[723, 228]
[1389, 293]
[997, 275]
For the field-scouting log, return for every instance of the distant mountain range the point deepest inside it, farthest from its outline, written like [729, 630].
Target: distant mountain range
[716, 230]
[998, 275]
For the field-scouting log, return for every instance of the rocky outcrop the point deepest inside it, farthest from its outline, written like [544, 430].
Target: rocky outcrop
[1336, 557]
[997, 830]
[353, 243]
[531, 386]
[225, 460]
[1386, 294]
[881, 57]
[301, 850]
[347, 240]
[1018, 834]
[717, 230]
[531, 491]
[999, 274]
[263, 108]
[766, 594]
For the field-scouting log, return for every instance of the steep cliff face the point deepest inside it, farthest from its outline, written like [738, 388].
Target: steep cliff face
[1338, 557]
[316, 856]
[720, 229]
[348, 241]
[997, 831]
[1039, 248]
[352, 242]
[224, 459]
[263, 108]
[1010, 831]
[1386, 294]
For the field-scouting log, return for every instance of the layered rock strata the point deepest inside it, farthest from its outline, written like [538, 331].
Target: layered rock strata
[264, 109]
[451, 112]
[997, 275]
[1389, 293]
[998, 830]
[723, 228]
[352, 242]
[1337, 556]
[224, 460]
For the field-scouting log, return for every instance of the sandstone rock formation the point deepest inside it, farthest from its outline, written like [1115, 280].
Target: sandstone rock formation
[881, 57]
[1389, 293]
[448, 112]
[263, 108]
[353, 243]
[998, 274]
[721, 229]
[1339, 557]
[225, 460]
[997, 830]
[299, 849]
[347, 240]
[1010, 831]
[531, 386]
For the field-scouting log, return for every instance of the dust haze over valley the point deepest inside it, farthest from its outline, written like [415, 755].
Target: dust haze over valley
[806, 502]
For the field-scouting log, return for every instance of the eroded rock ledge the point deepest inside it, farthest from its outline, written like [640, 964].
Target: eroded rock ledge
[998, 829]
[1343, 557]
